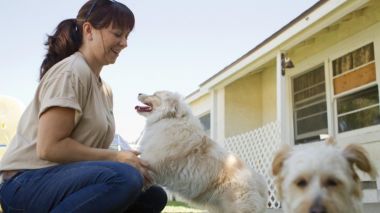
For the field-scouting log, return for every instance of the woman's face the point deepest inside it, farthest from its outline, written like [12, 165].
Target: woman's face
[109, 43]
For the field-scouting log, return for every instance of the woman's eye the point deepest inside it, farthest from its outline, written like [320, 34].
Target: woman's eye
[117, 34]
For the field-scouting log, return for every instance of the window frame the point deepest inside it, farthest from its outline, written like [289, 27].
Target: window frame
[326, 57]
[365, 134]
[292, 108]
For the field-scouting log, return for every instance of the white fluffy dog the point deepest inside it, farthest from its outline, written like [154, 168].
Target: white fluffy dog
[188, 162]
[321, 178]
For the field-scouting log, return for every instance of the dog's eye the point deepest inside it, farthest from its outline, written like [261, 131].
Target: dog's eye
[331, 182]
[301, 183]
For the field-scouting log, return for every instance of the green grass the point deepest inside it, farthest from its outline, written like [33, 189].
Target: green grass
[174, 207]
[180, 207]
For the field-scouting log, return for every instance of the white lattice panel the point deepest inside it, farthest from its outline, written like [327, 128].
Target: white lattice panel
[256, 148]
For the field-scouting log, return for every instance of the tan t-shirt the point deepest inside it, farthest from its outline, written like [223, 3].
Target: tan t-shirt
[69, 83]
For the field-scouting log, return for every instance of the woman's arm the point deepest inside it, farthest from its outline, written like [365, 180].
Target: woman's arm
[55, 144]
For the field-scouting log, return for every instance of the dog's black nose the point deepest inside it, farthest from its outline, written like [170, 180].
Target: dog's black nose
[318, 206]
[318, 209]
[140, 94]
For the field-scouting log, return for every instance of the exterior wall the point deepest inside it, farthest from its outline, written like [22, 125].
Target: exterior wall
[269, 94]
[243, 105]
[250, 102]
[352, 31]
[345, 28]
[202, 105]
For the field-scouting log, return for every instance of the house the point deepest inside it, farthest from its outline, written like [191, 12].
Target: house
[318, 75]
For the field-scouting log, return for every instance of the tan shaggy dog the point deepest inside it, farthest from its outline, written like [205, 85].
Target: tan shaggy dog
[321, 178]
[189, 163]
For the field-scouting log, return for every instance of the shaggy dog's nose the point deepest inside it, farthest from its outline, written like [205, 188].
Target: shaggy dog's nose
[318, 209]
[318, 206]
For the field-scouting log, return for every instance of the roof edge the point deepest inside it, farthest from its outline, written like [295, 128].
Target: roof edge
[267, 40]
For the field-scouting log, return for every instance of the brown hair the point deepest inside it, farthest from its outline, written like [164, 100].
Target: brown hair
[67, 37]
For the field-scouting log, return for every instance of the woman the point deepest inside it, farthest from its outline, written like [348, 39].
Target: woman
[58, 161]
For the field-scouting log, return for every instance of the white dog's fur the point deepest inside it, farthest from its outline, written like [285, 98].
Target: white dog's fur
[321, 178]
[188, 162]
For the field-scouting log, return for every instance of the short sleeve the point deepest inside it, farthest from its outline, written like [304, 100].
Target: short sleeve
[62, 90]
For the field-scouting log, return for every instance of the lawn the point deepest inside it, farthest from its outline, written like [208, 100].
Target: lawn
[174, 207]
[180, 207]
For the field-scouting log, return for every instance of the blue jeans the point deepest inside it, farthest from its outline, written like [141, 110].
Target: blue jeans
[91, 186]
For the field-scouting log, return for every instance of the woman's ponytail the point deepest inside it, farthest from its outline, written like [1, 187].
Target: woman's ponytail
[64, 42]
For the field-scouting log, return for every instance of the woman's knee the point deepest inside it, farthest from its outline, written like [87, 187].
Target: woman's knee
[127, 175]
[153, 199]
[158, 196]
[118, 175]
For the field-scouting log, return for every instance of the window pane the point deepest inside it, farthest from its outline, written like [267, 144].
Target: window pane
[205, 120]
[363, 55]
[308, 79]
[310, 92]
[312, 123]
[342, 64]
[307, 111]
[309, 102]
[364, 118]
[354, 79]
[354, 59]
[358, 100]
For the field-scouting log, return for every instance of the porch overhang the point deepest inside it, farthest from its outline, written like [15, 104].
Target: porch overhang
[313, 20]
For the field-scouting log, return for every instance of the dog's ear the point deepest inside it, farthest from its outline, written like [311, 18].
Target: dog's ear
[279, 158]
[330, 141]
[357, 155]
[277, 165]
[177, 107]
[173, 107]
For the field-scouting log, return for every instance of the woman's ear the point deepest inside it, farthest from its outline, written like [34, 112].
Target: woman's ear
[87, 31]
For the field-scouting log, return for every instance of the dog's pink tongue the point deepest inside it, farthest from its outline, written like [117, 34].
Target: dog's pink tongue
[143, 108]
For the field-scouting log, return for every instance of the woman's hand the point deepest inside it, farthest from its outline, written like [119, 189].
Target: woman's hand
[131, 157]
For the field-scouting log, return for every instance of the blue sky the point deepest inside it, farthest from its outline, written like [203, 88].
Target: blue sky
[176, 45]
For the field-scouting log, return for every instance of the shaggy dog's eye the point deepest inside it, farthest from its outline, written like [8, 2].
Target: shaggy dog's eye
[301, 183]
[331, 182]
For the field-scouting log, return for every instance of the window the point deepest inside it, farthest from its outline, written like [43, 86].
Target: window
[309, 105]
[351, 86]
[368, 185]
[205, 120]
[355, 89]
